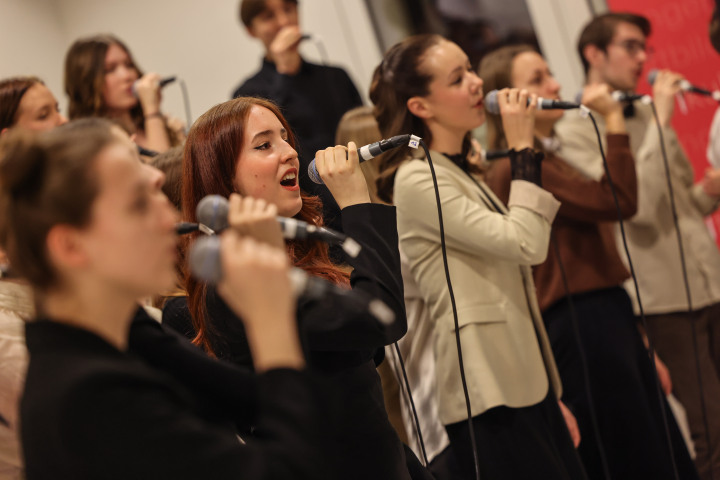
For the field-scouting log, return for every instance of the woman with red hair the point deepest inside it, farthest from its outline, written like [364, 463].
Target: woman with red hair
[246, 146]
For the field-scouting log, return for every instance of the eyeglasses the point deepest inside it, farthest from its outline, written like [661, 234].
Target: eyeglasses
[633, 47]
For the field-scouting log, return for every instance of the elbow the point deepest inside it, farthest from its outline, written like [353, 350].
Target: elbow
[534, 253]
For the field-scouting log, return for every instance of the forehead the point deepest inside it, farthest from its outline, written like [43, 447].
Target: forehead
[118, 169]
[527, 63]
[261, 119]
[35, 95]
[442, 58]
[627, 31]
[114, 52]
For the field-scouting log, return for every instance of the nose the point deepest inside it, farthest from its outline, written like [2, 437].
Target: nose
[476, 83]
[554, 85]
[61, 119]
[289, 153]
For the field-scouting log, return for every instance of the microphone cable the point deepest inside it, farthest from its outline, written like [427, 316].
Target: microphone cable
[416, 420]
[574, 319]
[473, 442]
[686, 281]
[651, 350]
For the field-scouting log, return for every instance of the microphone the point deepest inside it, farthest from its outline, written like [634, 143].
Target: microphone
[492, 105]
[212, 211]
[685, 86]
[161, 83]
[183, 228]
[206, 264]
[371, 151]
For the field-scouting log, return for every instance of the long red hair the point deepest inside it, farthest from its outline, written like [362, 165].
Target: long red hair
[209, 166]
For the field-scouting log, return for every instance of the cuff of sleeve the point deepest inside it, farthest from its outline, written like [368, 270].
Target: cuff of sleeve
[618, 140]
[360, 216]
[528, 195]
[705, 202]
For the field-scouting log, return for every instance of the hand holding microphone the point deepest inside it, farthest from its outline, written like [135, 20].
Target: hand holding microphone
[666, 85]
[339, 167]
[284, 52]
[517, 108]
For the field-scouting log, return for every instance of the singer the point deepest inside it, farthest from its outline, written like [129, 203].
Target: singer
[103, 80]
[612, 48]
[89, 228]
[584, 237]
[246, 146]
[313, 97]
[425, 85]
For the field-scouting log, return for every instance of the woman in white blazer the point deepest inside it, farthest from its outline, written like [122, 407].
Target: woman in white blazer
[426, 86]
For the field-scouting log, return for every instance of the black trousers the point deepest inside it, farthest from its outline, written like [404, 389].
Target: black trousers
[622, 383]
[518, 444]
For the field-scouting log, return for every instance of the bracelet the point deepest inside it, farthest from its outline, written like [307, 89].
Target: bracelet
[153, 115]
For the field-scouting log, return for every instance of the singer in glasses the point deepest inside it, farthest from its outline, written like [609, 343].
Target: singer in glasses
[651, 234]
[102, 79]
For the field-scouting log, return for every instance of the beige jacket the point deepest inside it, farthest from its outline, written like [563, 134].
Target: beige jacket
[506, 353]
[651, 235]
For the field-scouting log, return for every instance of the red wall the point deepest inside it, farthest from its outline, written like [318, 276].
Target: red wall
[680, 42]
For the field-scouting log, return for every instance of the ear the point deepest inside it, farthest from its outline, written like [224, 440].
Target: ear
[593, 54]
[65, 247]
[3, 131]
[419, 107]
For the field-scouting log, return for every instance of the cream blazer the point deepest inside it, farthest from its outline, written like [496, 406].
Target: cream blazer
[506, 353]
[651, 235]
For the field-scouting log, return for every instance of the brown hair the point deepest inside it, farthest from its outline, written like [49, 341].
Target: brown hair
[170, 163]
[12, 91]
[359, 125]
[47, 179]
[496, 70]
[210, 162]
[397, 79]
[249, 9]
[601, 29]
[85, 77]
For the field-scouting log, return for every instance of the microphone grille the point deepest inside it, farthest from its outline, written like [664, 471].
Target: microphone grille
[491, 102]
[652, 76]
[212, 211]
[204, 259]
[313, 173]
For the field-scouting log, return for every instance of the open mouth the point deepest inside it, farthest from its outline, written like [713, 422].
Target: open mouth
[289, 180]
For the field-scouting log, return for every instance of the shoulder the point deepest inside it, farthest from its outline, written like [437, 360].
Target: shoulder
[252, 85]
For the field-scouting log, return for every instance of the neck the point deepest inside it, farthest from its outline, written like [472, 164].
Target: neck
[123, 118]
[93, 308]
[544, 129]
[446, 140]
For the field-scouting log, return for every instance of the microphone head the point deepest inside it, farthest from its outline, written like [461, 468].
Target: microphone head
[652, 76]
[491, 102]
[204, 259]
[313, 173]
[212, 211]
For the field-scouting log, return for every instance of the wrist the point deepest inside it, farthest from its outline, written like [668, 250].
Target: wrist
[155, 114]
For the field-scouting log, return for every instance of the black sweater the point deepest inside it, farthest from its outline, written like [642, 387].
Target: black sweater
[90, 411]
[341, 341]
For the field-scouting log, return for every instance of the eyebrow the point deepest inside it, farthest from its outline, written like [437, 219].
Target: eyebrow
[267, 132]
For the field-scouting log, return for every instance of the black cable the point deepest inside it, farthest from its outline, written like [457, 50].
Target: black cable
[651, 351]
[412, 404]
[473, 442]
[686, 281]
[583, 359]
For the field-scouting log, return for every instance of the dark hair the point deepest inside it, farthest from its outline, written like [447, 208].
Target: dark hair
[12, 91]
[397, 79]
[601, 29]
[47, 179]
[249, 9]
[210, 162]
[496, 71]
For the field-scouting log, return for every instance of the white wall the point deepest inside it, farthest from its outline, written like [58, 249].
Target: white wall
[201, 42]
[32, 41]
